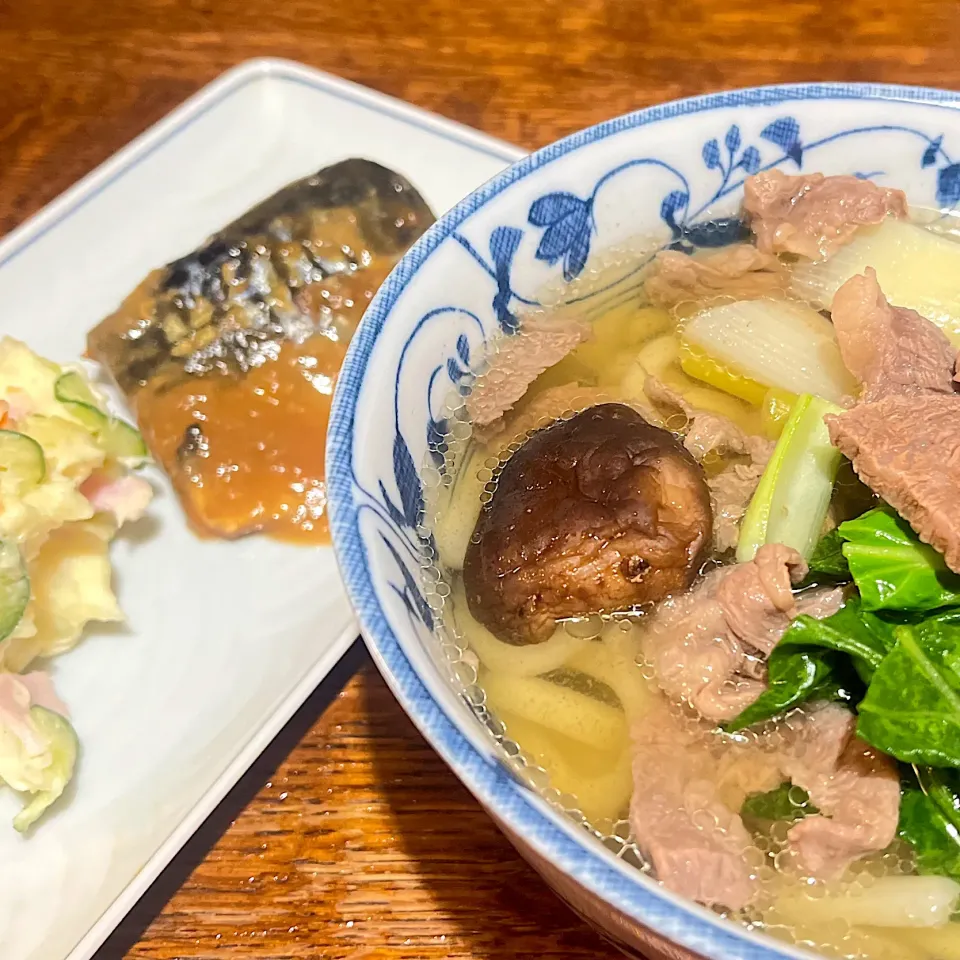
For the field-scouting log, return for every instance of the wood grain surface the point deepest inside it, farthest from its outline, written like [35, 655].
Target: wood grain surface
[350, 838]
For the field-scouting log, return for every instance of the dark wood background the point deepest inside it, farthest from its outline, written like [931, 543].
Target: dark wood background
[350, 839]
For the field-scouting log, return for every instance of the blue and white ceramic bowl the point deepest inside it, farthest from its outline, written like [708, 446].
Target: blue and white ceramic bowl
[658, 172]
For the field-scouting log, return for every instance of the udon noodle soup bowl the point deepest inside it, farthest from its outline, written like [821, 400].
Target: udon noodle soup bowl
[568, 223]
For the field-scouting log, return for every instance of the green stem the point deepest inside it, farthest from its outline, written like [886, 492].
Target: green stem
[791, 500]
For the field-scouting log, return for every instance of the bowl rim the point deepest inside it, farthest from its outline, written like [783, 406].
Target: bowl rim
[565, 844]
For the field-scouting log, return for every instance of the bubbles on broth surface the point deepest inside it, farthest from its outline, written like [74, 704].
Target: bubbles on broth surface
[566, 761]
[519, 741]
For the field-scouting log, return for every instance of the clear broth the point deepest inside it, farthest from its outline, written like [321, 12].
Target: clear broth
[581, 762]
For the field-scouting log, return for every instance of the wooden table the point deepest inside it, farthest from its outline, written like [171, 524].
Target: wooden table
[350, 839]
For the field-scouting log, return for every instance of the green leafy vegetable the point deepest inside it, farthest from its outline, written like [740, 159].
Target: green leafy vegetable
[796, 677]
[812, 661]
[791, 500]
[827, 558]
[900, 641]
[933, 833]
[851, 630]
[943, 788]
[892, 569]
[786, 802]
[911, 709]
[866, 637]
[934, 839]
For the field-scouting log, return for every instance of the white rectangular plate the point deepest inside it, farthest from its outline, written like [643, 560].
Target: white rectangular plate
[225, 640]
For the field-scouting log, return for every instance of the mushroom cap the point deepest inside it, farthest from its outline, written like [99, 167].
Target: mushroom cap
[593, 514]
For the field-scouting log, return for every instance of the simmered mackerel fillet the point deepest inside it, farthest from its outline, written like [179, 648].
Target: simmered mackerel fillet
[229, 355]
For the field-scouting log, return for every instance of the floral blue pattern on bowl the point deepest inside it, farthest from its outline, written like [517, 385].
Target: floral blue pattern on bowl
[661, 174]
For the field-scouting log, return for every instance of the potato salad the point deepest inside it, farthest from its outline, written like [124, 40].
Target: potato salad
[67, 485]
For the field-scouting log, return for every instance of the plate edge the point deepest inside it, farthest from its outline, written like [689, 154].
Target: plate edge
[121, 905]
[62, 206]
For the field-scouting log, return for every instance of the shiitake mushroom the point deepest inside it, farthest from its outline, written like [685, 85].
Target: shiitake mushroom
[597, 513]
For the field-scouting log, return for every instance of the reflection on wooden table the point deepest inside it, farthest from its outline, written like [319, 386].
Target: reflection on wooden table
[362, 845]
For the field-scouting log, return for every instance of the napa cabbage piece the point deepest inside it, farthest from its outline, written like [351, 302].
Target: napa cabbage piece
[776, 343]
[892, 569]
[916, 268]
[697, 363]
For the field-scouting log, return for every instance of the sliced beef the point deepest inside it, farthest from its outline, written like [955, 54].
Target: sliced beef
[740, 271]
[732, 488]
[709, 646]
[541, 342]
[855, 788]
[689, 786]
[554, 403]
[707, 432]
[812, 215]
[684, 821]
[697, 658]
[819, 603]
[712, 433]
[890, 350]
[757, 597]
[907, 450]
[902, 436]
[730, 493]
[597, 513]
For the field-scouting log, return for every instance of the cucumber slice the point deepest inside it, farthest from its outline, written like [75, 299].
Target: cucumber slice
[123, 442]
[71, 387]
[90, 416]
[14, 587]
[22, 463]
[117, 438]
